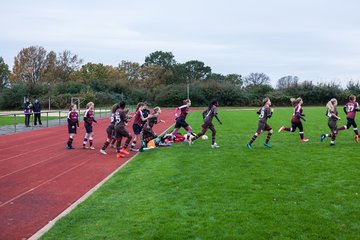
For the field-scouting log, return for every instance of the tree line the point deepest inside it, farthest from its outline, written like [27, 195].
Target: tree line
[159, 80]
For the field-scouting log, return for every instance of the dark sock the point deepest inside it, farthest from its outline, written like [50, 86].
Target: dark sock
[268, 137]
[253, 139]
[106, 144]
[301, 135]
[69, 143]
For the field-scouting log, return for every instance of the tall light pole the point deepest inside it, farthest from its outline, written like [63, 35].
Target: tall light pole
[188, 94]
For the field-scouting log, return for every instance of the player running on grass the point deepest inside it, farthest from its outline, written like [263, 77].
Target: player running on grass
[208, 115]
[264, 113]
[296, 119]
[180, 114]
[350, 110]
[333, 116]
[110, 129]
[89, 118]
[73, 124]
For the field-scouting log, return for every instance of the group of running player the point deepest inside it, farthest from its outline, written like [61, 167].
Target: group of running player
[144, 121]
[265, 112]
[142, 126]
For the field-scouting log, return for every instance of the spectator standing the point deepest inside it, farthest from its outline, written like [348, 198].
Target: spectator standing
[27, 111]
[37, 112]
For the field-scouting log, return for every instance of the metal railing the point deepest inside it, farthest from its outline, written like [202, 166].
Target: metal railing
[58, 117]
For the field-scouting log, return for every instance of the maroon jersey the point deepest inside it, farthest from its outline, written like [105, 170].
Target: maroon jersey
[210, 115]
[297, 111]
[89, 117]
[351, 107]
[73, 118]
[120, 117]
[137, 118]
[112, 118]
[184, 110]
[264, 114]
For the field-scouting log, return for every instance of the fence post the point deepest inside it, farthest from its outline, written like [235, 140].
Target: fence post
[14, 122]
[100, 112]
[47, 119]
[59, 118]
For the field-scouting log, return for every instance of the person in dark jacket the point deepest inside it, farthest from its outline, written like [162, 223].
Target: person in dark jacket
[37, 112]
[27, 111]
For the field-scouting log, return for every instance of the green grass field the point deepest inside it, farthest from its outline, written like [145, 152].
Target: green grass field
[292, 191]
[9, 120]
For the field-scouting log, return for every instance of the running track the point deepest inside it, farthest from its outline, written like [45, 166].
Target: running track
[39, 178]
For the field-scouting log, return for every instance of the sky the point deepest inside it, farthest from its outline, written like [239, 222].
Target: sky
[316, 40]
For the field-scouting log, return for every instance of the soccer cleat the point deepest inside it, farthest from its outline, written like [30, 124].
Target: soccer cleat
[69, 147]
[357, 138]
[322, 137]
[103, 152]
[304, 140]
[92, 147]
[134, 150]
[119, 155]
[124, 151]
[281, 129]
[214, 145]
[267, 145]
[249, 146]
[84, 147]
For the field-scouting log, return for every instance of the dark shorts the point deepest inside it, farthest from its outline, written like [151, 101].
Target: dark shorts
[295, 125]
[263, 126]
[333, 125]
[180, 122]
[88, 128]
[137, 129]
[351, 122]
[121, 132]
[207, 126]
[72, 129]
[148, 134]
[110, 131]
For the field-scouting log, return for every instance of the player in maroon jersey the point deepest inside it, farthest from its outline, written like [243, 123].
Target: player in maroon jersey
[148, 133]
[208, 116]
[137, 124]
[110, 129]
[264, 114]
[73, 124]
[333, 117]
[350, 110]
[89, 118]
[296, 119]
[122, 117]
[180, 114]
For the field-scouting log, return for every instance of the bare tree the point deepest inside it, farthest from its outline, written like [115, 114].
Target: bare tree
[287, 82]
[256, 79]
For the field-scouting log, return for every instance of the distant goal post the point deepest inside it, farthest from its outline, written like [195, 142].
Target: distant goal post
[76, 101]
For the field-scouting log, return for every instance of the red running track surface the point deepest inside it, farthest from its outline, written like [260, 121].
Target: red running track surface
[40, 178]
